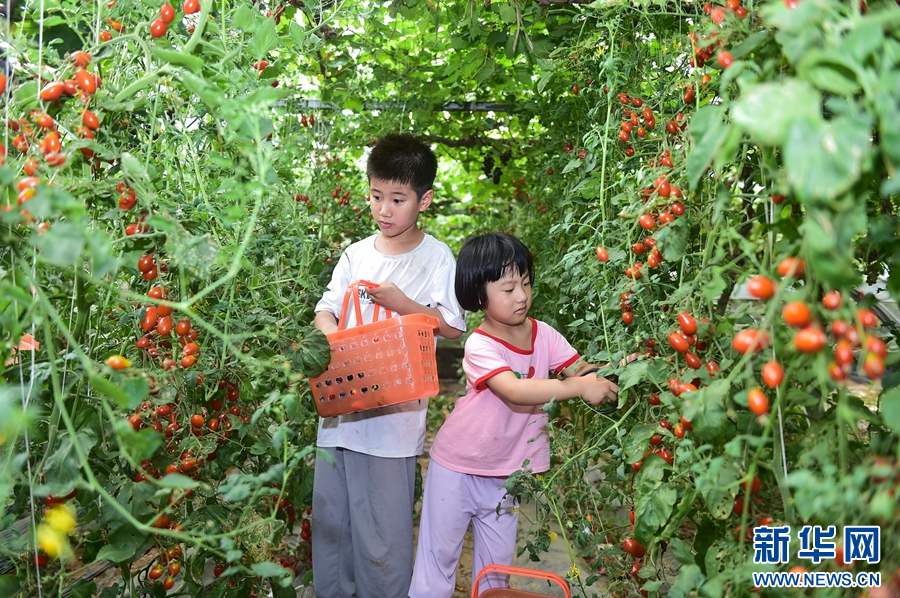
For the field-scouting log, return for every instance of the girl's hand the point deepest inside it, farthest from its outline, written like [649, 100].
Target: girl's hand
[598, 391]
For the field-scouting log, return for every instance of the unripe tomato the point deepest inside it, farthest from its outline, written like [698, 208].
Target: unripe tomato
[761, 287]
[772, 374]
[757, 402]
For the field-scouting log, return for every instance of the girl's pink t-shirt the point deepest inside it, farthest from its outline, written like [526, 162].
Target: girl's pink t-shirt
[486, 436]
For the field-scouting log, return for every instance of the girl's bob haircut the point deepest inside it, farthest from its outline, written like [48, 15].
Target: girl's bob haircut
[486, 259]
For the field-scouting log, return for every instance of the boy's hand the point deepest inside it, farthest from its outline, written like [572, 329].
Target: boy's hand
[598, 391]
[388, 296]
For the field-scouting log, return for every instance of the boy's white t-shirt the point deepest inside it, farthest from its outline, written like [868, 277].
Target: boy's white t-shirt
[426, 275]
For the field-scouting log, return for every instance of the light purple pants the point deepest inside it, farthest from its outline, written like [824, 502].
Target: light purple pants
[451, 501]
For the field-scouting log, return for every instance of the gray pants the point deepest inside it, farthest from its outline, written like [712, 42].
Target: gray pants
[362, 533]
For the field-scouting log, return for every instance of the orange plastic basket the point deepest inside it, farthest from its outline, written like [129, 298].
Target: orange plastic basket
[377, 364]
[510, 593]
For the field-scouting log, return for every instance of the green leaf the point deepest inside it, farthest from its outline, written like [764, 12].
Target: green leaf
[246, 19]
[211, 95]
[9, 585]
[708, 131]
[705, 409]
[312, 354]
[634, 373]
[269, 569]
[653, 507]
[121, 545]
[188, 61]
[264, 40]
[140, 444]
[83, 588]
[196, 254]
[136, 389]
[297, 33]
[866, 39]
[672, 240]
[62, 244]
[890, 409]
[177, 480]
[106, 387]
[824, 159]
[637, 442]
[828, 70]
[712, 485]
[62, 465]
[682, 552]
[690, 577]
[766, 111]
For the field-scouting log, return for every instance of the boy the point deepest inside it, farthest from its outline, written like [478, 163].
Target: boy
[362, 505]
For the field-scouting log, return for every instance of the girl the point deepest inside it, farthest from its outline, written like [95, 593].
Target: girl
[498, 427]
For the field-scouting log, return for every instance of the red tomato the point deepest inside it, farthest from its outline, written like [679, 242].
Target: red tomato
[52, 91]
[755, 485]
[725, 59]
[191, 6]
[678, 342]
[117, 362]
[692, 360]
[772, 374]
[678, 431]
[646, 221]
[877, 346]
[757, 402]
[810, 340]
[777, 198]
[135, 421]
[167, 13]
[749, 339]
[712, 368]
[761, 287]
[158, 28]
[80, 58]
[155, 572]
[164, 325]
[791, 266]
[634, 548]
[628, 318]
[169, 582]
[867, 318]
[718, 15]
[688, 323]
[796, 314]
[653, 399]
[687, 424]
[832, 300]
[874, 366]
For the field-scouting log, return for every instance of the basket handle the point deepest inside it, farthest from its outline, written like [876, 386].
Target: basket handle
[353, 290]
[522, 573]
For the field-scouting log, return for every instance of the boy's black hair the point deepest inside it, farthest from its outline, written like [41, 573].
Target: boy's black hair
[486, 259]
[401, 158]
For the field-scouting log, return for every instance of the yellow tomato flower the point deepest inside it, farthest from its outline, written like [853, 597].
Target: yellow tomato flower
[574, 572]
[54, 543]
[61, 518]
